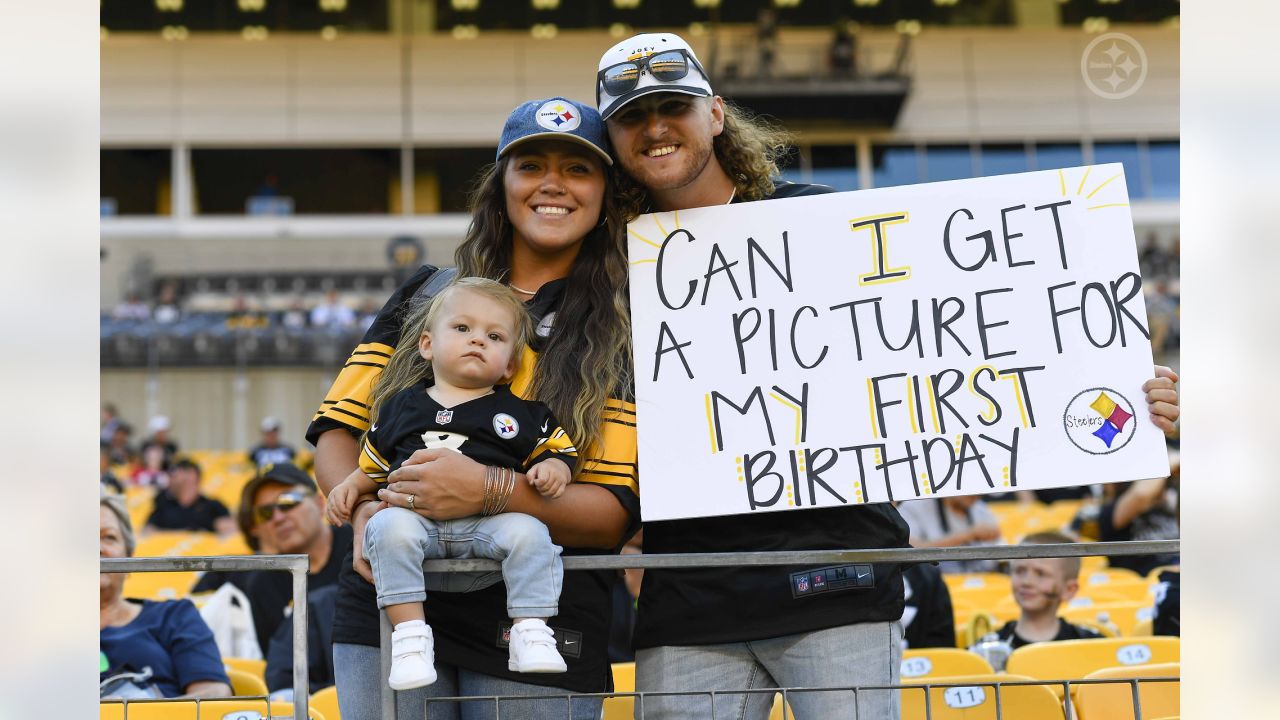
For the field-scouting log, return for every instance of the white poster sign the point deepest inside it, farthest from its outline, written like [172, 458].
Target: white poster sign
[951, 338]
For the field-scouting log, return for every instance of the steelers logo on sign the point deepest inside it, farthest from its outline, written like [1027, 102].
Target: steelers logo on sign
[1099, 420]
[558, 115]
[505, 425]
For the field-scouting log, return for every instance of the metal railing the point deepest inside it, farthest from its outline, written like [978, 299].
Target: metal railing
[296, 565]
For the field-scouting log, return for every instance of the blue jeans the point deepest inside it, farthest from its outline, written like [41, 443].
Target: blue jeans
[397, 541]
[839, 657]
[360, 683]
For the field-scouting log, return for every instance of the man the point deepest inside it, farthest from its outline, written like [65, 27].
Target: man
[720, 628]
[181, 506]
[731, 628]
[289, 516]
[160, 427]
[271, 451]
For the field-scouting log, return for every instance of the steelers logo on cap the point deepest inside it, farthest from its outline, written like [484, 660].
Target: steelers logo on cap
[558, 115]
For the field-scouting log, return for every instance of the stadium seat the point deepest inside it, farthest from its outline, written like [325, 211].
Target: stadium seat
[960, 582]
[1115, 701]
[325, 701]
[1109, 575]
[159, 585]
[1144, 628]
[978, 702]
[624, 681]
[942, 662]
[1075, 659]
[257, 668]
[246, 684]
[209, 710]
[1124, 615]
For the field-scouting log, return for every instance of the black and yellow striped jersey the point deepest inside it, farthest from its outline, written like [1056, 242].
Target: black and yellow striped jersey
[495, 429]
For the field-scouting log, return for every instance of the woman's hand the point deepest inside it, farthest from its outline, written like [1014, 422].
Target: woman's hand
[1162, 397]
[445, 484]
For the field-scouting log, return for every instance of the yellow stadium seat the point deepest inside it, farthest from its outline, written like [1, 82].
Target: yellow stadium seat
[325, 701]
[159, 585]
[162, 543]
[1115, 701]
[246, 684]
[1102, 630]
[942, 662]
[1075, 659]
[960, 582]
[1124, 615]
[1093, 563]
[624, 681]
[253, 666]
[984, 597]
[978, 702]
[1109, 575]
[1144, 628]
[209, 710]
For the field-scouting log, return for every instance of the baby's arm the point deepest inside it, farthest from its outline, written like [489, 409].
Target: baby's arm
[342, 499]
[550, 477]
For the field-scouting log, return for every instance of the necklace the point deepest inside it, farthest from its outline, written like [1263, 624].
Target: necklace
[521, 290]
[732, 195]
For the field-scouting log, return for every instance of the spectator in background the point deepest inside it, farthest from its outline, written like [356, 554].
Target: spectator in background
[121, 452]
[321, 605]
[109, 422]
[927, 617]
[133, 308]
[295, 317]
[1162, 316]
[1168, 620]
[107, 478]
[953, 522]
[253, 537]
[244, 317]
[160, 427]
[1040, 587]
[167, 310]
[288, 515]
[368, 313]
[270, 451]
[152, 469]
[180, 506]
[169, 637]
[1142, 510]
[332, 314]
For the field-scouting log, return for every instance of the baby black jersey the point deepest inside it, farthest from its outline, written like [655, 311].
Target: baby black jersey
[495, 429]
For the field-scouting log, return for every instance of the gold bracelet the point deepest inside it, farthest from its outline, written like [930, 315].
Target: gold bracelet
[508, 488]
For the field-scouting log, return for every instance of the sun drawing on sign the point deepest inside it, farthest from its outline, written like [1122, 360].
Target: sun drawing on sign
[1063, 185]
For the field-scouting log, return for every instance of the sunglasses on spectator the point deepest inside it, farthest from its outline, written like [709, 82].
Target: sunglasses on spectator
[666, 66]
[284, 503]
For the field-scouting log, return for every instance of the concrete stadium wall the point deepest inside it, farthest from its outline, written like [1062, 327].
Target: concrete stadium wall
[298, 90]
[218, 408]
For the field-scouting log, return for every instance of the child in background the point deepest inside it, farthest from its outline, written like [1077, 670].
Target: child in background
[438, 390]
[1040, 586]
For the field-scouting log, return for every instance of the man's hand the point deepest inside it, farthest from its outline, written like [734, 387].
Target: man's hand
[550, 477]
[359, 519]
[1162, 398]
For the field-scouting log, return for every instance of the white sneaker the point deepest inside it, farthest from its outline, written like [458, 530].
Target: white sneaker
[413, 656]
[533, 648]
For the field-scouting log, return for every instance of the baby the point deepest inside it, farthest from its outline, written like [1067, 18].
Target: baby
[438, 390]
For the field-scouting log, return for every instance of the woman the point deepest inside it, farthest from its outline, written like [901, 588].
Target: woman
[168, 637]
[545, 221]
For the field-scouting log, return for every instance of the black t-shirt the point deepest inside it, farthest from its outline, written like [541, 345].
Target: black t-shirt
[927, 619]
[168, 514]
[1168, 620]
[1066, 631]
[261, 456]
[1160, 522]
[702, 606]
[271, 592]
[469, 627]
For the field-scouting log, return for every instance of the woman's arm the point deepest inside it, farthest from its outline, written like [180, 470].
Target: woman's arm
[446, 485]
[1139, 498]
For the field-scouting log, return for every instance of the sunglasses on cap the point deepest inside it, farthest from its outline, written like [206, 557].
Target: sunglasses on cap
[284, 503]
[665, 66]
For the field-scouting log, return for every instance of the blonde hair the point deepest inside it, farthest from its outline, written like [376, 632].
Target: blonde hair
[1070, 565]
[407, 367]
[115, 504]
[587, 359]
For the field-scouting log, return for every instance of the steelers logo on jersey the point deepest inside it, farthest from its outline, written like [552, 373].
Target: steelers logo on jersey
[506, 426]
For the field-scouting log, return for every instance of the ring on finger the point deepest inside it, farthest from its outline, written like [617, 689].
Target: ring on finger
[409, 499]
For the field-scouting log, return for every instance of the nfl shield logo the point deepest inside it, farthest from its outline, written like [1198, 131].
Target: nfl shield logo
[443, 417]
[802, 584]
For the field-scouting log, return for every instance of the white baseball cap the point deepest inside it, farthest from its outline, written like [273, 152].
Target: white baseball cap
[158, 423]
[648, 63]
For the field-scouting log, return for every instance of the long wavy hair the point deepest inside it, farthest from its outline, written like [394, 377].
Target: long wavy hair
[407, 367]
[587, 358]
[749, 149]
